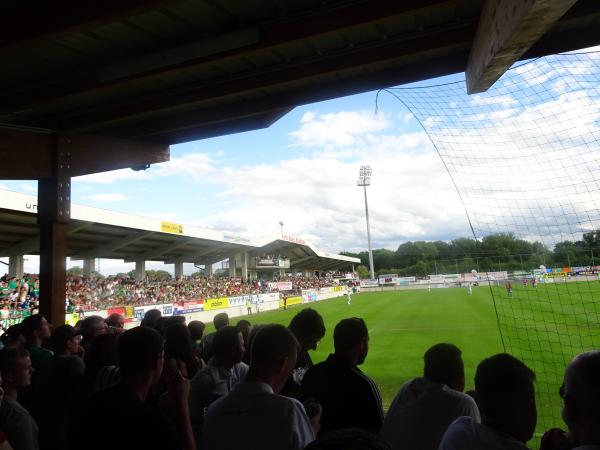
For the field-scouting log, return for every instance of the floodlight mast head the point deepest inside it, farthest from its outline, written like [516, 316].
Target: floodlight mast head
[364, 180]
[364, 176]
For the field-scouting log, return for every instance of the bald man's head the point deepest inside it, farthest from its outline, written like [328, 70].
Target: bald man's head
[581, 388]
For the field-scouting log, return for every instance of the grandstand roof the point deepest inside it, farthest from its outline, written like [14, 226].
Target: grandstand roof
[180, 70]
[100, 233]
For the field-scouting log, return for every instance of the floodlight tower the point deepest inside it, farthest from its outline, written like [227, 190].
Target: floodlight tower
[281, 226]
[364, 180]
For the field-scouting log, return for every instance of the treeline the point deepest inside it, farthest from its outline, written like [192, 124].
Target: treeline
[496, 252]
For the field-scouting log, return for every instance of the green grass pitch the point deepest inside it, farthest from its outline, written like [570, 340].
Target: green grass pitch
[403, 325]
[544, 326]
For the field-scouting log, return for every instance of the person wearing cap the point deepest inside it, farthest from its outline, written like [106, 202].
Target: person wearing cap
[59, 387]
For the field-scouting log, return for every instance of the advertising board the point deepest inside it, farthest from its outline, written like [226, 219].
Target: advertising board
[281, 285]
[272, 297]
[291, 301]
[216, 303]
[309, 295]
[237, 301]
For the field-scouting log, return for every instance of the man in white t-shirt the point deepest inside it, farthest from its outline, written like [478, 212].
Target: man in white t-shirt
[254, 415]
[425, 407]
[506, 398]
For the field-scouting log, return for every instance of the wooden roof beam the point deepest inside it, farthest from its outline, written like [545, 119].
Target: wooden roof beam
[326, 19]
[456, 34]
[286, 101]
[27, 155]
[507, 29]
[27, 23]
[257, 121]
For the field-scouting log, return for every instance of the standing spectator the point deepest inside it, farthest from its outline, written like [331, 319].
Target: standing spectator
[180, 350]
[91, 327]
[348, 396]
[261, 418]
[580, 393]
[222, 372]
[116, 322]
[58, 389]
[18, 425]
[122, 408]
[505, 393]
[309, 329]
[196, 328]
[101, 365]
[151, 318]
[244, 327]
[219, 321]
[13, 337]
[424, 408]
[36, 330]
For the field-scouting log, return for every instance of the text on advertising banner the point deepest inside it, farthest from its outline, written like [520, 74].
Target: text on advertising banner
[216, 303]
[170, 227]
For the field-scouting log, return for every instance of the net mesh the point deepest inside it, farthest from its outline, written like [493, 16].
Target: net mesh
[525, 159]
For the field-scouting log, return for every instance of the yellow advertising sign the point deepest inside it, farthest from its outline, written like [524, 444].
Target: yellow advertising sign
[216, 303]
[290, 301]
[170, 227]
[72, 319]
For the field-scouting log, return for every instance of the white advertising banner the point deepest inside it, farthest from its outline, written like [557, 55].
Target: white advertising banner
[281, 285]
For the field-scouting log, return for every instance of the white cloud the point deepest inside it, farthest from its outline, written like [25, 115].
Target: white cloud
[317, 198]
[193, 165]
[27, 187]
[3, 186]
[342, 129]
[108, 197]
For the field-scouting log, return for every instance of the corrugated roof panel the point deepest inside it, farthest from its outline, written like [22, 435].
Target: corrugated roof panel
[129, 37]
[248, 12]
[203, 16]
[163, 26]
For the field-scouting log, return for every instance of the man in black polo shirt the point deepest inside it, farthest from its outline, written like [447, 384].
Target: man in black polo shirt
[349, 397]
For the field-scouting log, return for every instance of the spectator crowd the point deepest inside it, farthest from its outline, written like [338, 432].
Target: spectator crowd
[168, 385]
[19, 296]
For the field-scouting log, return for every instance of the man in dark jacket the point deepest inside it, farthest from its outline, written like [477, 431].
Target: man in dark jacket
[350, 399]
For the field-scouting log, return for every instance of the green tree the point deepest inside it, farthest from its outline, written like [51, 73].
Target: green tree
[363, 271]
[75, 271]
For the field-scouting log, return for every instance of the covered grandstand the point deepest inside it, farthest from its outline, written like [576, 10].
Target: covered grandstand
[100, 233]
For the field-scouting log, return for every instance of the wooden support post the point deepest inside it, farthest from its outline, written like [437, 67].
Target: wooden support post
[54, 212]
